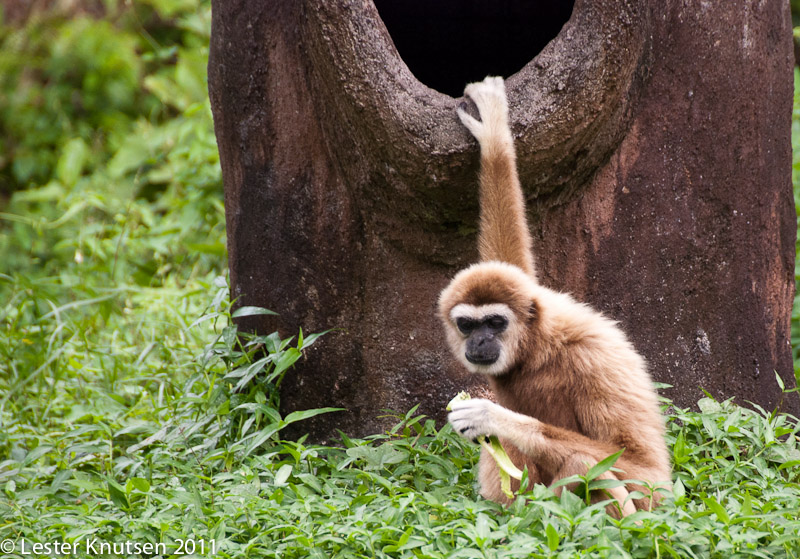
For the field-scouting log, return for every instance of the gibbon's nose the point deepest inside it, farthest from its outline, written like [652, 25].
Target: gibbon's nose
[482, 336]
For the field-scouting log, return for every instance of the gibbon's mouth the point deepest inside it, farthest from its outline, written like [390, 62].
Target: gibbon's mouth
[481, 360]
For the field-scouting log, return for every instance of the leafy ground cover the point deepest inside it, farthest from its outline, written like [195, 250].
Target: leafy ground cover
[134, 419]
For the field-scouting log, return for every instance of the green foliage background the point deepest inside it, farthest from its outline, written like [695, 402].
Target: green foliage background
[132, 411]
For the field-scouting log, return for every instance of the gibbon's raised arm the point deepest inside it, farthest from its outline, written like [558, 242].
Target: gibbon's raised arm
[504, 234]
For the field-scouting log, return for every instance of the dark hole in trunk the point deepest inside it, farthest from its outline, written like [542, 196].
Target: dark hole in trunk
[449, 43]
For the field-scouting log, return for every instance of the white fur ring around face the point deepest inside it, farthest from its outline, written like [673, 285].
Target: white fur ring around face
[473, 418]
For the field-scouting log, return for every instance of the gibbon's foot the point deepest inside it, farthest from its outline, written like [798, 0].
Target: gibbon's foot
[489, 97]
[476, 417]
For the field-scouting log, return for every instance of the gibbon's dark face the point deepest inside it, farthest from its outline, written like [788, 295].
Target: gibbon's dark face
[483, 346]
[483, 337]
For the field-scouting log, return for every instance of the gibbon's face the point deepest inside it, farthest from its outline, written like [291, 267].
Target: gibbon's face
[485, 335]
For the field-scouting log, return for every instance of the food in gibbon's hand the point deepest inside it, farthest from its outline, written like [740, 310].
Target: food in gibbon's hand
[506, 468]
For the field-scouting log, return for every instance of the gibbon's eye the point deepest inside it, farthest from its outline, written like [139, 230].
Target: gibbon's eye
[496, 323]
[466, 325]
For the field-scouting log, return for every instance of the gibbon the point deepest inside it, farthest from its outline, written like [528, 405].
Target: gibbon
[570, 388]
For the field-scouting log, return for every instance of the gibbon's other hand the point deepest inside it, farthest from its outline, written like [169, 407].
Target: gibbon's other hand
[489, 97]
[474, 418]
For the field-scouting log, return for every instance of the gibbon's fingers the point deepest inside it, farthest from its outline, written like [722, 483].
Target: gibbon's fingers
[475, 417]
[491, 86]
[490, 98]
[473, 125]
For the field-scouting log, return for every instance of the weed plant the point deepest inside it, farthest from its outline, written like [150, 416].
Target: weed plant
[133, 412]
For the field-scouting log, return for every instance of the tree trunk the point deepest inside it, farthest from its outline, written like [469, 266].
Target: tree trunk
[653, 142]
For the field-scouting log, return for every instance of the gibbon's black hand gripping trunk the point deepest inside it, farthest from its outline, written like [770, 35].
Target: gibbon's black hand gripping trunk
[653, 145]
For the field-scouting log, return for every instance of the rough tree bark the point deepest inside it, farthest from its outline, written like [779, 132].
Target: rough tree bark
[653, 139]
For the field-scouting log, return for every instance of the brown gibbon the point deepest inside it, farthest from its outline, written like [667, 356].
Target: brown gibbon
[570, 388]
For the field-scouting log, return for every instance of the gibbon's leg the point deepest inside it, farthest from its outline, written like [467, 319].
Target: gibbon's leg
[504, 233]
[578, 464]
[489, 474]
[556, 450]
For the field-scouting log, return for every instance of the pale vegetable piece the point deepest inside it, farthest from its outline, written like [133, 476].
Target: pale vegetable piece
[460, 397]
[506, 467]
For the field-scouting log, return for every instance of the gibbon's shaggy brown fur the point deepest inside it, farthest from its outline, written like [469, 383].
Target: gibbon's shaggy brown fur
[570, 388]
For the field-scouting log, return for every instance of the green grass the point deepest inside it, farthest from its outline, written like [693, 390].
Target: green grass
[133, 412]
